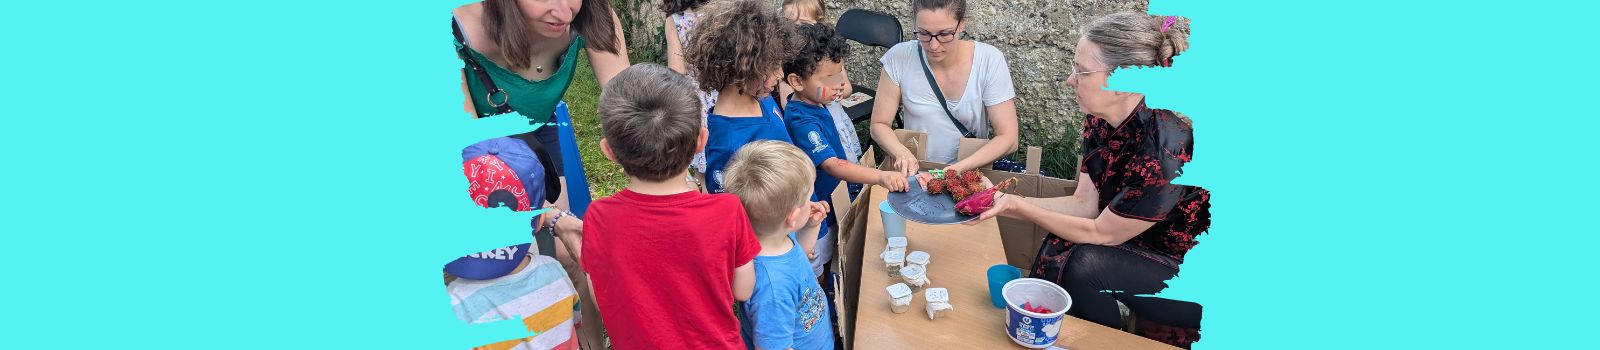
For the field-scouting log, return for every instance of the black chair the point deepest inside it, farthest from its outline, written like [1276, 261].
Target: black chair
[871, 28]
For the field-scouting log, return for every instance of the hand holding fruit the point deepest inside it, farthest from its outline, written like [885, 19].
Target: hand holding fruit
[985, 201]
[817, 212]
[973, 193]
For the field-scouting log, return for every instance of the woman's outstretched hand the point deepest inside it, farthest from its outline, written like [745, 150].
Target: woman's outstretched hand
[1002, 203]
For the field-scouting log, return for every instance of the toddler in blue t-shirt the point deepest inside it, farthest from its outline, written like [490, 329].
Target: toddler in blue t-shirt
[788, 309]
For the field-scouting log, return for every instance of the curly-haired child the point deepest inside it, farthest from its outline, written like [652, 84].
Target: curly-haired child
[817, 75]
[738, 49]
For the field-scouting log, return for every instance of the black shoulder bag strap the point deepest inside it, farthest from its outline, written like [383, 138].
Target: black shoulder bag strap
[501, 107]
[943, 103]
[552, 176]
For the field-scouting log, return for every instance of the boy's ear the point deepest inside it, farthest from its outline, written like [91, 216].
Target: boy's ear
[606, 148]
[699, 144]
[795, 82]
[796, 218]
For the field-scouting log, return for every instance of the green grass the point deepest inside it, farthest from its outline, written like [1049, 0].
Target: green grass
[605, 177]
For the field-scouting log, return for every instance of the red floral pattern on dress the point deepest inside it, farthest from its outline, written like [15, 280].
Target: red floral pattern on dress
[1132, 166]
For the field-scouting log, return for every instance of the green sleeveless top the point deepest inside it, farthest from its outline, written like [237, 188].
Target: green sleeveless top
[534, 99]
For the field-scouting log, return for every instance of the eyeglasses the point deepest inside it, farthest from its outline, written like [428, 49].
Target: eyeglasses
[1076, 72]
[944, 37]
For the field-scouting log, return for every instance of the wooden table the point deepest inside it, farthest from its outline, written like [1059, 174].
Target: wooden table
[960, 259]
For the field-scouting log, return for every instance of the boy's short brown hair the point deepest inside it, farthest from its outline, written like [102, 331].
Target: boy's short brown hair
[738, 42]
[650, 118]
[771, 178]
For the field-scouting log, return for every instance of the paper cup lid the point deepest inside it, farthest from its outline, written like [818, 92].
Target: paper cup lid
[937, 295]
[897, 242]
[912, 271]
[899, 290]
[894, 256]
[917, 257]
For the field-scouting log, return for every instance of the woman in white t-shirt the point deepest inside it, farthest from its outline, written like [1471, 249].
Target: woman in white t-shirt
[973, 77]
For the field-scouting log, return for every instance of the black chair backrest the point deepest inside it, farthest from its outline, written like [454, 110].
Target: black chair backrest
[870, 27]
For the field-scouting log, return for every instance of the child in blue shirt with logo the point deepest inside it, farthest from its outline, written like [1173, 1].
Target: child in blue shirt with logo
[817, 75]
[788, 308]
[737, 50]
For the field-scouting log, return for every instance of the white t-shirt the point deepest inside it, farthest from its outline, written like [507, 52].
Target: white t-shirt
[847, 132]
[988, 84]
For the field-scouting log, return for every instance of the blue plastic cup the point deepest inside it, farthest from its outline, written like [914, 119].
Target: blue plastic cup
[999, 275]
[894, 225]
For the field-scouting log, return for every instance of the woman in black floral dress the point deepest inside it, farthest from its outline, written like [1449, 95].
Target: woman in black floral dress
[1125, 230]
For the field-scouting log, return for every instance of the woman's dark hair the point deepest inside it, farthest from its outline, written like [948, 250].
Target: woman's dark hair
[504, 21]
[672, 7]
[821, 42]
[738, 42]
[958, 7]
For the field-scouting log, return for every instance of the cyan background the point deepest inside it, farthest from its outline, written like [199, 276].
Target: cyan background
[285, 174]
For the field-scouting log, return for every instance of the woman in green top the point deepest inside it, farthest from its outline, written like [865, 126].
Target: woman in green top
[529, 49]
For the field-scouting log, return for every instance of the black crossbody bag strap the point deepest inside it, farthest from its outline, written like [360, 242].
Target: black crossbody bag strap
[943, 103]
[476, 70]
[552, 176]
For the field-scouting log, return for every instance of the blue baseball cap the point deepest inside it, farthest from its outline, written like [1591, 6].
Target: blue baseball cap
[505, 171]
[490, 264]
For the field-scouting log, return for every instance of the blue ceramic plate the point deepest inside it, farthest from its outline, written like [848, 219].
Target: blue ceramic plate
[917, 205]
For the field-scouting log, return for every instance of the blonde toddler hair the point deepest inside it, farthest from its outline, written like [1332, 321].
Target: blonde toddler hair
[772, 179]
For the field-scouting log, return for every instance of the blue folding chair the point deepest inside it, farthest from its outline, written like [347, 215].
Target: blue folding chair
[572, 167]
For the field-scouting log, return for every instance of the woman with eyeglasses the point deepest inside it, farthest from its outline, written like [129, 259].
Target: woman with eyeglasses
[1122, 234]
[950, 87]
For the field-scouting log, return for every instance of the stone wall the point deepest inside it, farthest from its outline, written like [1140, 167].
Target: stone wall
[1037, 38]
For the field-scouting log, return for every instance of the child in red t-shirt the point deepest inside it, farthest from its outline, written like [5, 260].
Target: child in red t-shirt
[666, 261]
